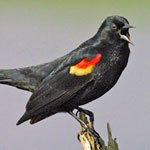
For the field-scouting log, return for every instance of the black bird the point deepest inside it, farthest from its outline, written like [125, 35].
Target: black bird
[77, 78]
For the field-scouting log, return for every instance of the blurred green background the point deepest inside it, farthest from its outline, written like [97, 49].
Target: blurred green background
[34, 32]
[82, 10]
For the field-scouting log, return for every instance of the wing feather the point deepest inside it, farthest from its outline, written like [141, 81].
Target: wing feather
[56, 93]
[60, 86]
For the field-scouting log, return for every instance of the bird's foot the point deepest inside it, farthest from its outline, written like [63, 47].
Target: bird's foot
[90, 114]
[88, 133]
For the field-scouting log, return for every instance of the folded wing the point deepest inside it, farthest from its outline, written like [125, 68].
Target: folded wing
[58, 88]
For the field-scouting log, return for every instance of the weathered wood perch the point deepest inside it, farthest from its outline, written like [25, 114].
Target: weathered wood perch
[90, 142]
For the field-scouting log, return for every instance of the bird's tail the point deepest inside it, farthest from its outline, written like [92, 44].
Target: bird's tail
[34, 118]
[14, 77]
[24, 118]
[6, 77]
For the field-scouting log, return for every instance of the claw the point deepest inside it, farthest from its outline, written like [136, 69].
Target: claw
[77, 113]
[88, 113]
[93, 132]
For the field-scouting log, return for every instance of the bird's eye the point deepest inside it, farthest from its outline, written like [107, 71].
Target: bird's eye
[114, 27]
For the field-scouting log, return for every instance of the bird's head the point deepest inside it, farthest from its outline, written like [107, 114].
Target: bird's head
[115, 28]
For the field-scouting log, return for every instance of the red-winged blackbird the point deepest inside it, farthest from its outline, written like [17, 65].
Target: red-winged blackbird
[77, 78]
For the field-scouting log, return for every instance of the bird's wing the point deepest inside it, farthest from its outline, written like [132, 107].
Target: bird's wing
[73, 75]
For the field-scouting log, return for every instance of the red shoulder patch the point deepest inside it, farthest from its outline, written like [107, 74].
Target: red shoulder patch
[85, 66]
[84, 63]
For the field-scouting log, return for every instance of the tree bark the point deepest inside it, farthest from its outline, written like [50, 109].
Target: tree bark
[91, 142]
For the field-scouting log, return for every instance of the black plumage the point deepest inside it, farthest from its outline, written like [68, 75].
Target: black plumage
[56, 90]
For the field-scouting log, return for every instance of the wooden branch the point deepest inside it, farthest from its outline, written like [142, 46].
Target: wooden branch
[92, 142]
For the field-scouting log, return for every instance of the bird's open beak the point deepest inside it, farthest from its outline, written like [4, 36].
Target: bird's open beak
[125, 35]
[126, 38]
[127, 26]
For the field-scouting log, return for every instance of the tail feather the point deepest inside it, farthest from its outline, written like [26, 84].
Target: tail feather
[17, 78]
[24, 118]
[34, 118]
[3, 77]
[5, 81]
[40, 117]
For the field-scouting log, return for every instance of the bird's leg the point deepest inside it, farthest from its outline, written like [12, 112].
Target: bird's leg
[78, 119]
[87, 112]
[90, 130]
